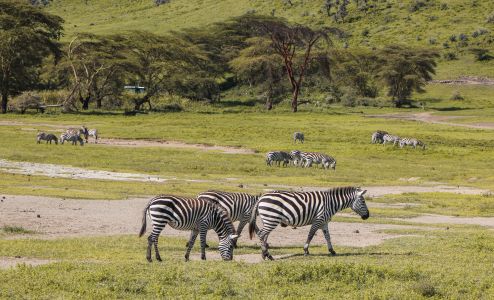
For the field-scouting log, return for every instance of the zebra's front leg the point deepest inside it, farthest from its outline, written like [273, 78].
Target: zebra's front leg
[325, 230]
[315, 226]
[190, 244]
[240, 227]
[203, 232]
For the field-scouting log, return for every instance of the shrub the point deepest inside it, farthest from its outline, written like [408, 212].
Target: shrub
[24, 102]
[490, 18]
[481, 54]
[450, 56]
[452, 38]
[479, 32]
[444, 6]
[432, 41]
[365, 32]
[456, 96]
[417, 5]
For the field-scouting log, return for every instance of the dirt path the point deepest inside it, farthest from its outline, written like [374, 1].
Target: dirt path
[428, 117]
[53, 218]
[465, 80]
[173, 144]
[11, 262]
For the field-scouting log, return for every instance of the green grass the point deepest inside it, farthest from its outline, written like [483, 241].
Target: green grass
[115, 267]
[15, 230]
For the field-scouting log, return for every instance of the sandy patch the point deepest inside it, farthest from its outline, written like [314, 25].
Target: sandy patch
[63, 171]
[439, 219]
[465, 80]
[428, 117]
[53, 218]
[173, 144]
[12, 262]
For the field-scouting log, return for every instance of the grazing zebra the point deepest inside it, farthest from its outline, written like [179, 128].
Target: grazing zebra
[48, 137]
[193, 214]
[318, 158]
[296, 157]
[238, 206]
[300, 209]
[391, 138]
[298, 136]
[94, 134]
[378, 137]
[278, 156]
[411, 142]
[74, 138]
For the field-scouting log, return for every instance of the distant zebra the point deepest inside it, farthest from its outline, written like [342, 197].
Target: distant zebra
[187, 214]
[239, 206]
[411, 142]
[300, 209]
[391, 138]
[48, 137]
[378, 137]
[74, 138]
[94, 134]
[296, 157]
[298, 136]
[278, 157]
[326, 161]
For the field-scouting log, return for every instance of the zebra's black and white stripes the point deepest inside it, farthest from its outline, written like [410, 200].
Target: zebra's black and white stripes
[378, 137]
[239, 206]
[48, 137]
[298, 136]
[278, 157]
[309, 158]
[300, 209]
[197, 215]
[94, 134]
[389, 138]
[411, 142]
[69, 136]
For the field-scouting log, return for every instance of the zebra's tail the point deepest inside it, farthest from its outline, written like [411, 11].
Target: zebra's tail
[144, 220]
[252, 222]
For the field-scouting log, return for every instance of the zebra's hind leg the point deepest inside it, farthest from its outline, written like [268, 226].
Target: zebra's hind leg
[240, 227]
[203, 232]
[263, 236]
[325, 230]
[153, 240]
[315, 226]
[190, 244]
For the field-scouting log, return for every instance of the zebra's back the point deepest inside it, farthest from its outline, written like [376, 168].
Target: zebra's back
[179, 212]
[238, 205]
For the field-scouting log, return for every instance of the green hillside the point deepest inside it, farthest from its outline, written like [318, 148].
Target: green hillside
[428, 23]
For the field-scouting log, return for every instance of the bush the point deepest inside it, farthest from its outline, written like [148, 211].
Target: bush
[490, 19]
[481, 54]
[432, 41]
[417, 5]
[24, 102]
[456, 96]
[452, 38]
[450, 56]
[349, 97]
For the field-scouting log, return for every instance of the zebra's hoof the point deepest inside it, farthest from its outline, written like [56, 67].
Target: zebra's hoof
[207, 246]
[306, 253]
[270, 257]
[149, 259]
[203, 257]
[332, 253]
[186, 258]
[158, 258]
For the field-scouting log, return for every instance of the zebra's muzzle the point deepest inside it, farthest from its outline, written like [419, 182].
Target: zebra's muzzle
[365, 217]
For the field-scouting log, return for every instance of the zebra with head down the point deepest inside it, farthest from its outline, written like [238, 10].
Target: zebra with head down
[48, 137]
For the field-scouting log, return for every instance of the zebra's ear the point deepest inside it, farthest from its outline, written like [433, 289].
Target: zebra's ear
[361, 193]
[233, 236]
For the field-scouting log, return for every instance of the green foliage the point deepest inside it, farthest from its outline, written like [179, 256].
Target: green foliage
[28, 35]
[15, 230]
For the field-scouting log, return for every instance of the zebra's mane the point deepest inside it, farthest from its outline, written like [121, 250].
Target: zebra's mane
[223, 214]
[345, 190]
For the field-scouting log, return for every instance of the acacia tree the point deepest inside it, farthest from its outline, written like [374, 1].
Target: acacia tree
[161, 63]
[405, 70]
[95, 65]
[27, 36]
[258, 64]
[294, 45]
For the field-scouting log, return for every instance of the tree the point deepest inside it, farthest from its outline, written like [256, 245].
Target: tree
[293, 44]
[405, 70]
[95, 64]
[258, 64]
[27, 36]
[163, 63]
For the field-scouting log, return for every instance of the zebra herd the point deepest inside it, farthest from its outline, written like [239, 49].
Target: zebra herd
[383, 137]
[300, 159]
[218, 210]
[72, 135]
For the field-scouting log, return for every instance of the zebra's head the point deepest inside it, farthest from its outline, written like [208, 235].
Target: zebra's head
[333, 165]
[226, 246]
[359, 205]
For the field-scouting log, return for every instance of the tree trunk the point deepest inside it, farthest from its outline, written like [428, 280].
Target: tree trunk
[296, 90]
[98, 104]
[5, 98]
[85, 102]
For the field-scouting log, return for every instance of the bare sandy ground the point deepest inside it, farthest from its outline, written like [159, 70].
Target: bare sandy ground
[465, 80]
[11, 262]
[428, 117]
[173, 144]
[53, 218]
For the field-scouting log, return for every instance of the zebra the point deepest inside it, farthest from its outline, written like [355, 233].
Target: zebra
[238, 206]
[74, 138]
[391, 138]
[298, 136]
[93, 133]
[198, 215]
[377, 137]
[326, 161]
[411, 142]
[304, 208]
[48, 137]
[296, 157]
[278, 156]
